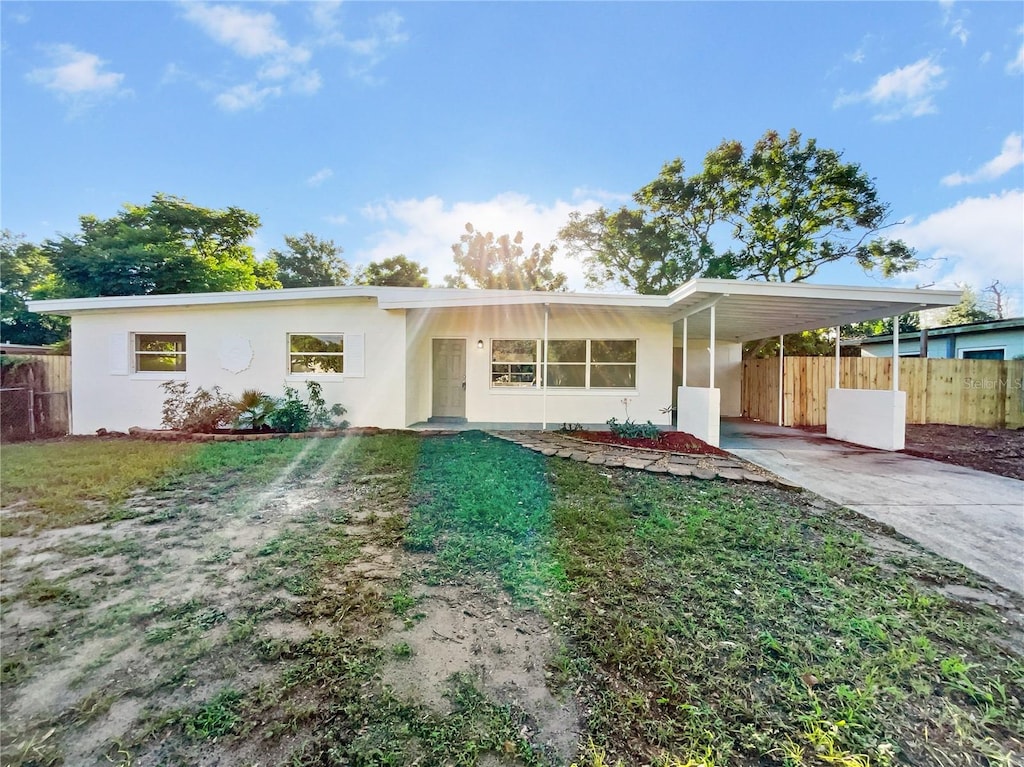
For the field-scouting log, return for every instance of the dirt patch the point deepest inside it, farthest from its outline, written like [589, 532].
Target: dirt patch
[504, 648]
[674, 441]
[997, 451]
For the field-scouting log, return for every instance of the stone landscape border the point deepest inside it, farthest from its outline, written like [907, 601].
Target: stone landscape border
[704, 467]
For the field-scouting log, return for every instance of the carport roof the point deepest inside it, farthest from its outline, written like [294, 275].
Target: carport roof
[744, 310]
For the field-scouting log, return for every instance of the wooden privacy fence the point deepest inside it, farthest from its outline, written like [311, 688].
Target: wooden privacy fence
[962, 392]
[35, 396]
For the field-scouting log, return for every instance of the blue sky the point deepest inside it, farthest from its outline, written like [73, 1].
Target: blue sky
[387, 126]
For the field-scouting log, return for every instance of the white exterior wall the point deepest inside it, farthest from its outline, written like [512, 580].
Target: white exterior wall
[485, 403]
[728, 371]
[119, 401]
[870, 417]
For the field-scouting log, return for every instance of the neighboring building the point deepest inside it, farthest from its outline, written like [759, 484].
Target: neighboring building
[401, 356]
[987, 340]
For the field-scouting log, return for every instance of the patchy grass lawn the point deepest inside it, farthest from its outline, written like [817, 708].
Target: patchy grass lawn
[397, 600]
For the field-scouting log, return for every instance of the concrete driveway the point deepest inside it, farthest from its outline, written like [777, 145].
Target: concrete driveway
[969, 516]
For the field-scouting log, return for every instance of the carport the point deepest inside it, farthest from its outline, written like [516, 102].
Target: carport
[710, 314]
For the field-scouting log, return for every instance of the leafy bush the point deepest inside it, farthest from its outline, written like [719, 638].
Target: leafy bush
[293, 415]
[630, 430]
[254, 409]
[321, 416]
[199, 411]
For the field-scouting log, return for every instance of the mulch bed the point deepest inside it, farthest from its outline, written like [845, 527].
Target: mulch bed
[675, 441]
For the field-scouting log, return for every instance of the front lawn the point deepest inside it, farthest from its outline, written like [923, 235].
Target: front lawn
[291, 602]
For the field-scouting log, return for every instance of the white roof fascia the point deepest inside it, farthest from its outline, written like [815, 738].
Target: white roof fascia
[427, 298]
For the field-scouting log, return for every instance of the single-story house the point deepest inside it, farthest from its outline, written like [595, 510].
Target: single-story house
[986, 340]
[396, 357]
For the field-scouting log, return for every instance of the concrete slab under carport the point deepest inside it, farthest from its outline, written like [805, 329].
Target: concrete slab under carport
[969, 516]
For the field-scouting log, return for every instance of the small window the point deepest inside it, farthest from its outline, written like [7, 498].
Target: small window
[984, 354]
[159, 352]
[613, 364]
[513, 363]
[567, 364]
[316, 353]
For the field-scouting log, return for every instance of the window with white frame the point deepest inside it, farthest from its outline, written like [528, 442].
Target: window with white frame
[514, 363]
[159, 352]
[577, 363]
[316, 353]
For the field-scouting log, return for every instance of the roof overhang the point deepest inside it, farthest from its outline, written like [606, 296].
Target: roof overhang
[744, 310]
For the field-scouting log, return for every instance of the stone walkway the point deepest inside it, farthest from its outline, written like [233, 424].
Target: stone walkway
[655, 461]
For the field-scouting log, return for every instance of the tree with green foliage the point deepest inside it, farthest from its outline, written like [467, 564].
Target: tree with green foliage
[26, 273]
[485, 261]
[967, 310]
[909, 323]
[310, 262]
[167, 246]
[777, 213]
[396, 271]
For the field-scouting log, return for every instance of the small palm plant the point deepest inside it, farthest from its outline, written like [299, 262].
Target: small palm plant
[254, 410]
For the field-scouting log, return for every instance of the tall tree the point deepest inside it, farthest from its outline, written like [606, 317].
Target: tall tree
[26, 273]
[310, 262]
[396, 271]
[167, 246]
[485, 261]
[967, 310]
[778, 213]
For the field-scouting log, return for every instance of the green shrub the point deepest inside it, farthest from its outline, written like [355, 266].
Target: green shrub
[630, 430]
[291, 414]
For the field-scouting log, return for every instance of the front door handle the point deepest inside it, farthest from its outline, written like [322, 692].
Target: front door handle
[463, 386]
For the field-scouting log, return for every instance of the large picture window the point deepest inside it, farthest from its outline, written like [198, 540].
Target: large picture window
[159, 352]
[572, 363]
[316, 353]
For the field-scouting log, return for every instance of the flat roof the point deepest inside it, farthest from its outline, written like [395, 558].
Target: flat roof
[983, 326]
[744, 310]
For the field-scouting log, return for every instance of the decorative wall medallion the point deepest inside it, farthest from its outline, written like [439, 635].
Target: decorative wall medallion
[235, 353]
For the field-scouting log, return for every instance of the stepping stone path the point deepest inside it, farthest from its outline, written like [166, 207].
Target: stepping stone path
[703, 467]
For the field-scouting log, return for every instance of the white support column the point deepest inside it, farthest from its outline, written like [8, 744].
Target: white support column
[544, 375]
[686, 323]
[837, 358]
[782, 373]
[711, 384]
[896, 353]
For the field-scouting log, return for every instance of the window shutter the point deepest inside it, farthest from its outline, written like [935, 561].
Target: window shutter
[355, 355]
[117, 347]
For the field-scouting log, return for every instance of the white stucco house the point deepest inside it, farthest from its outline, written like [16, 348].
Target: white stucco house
[396, 357]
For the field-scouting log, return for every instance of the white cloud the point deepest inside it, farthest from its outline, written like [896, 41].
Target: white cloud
[254, 35]
[1010, 157]
[903, 92]
[975, 241]
[957, 24]
[425, 229]
[248, 34]
[385, 33]
[1016, 65]
[319, 177]
[245, 96]
[339, 220]
[77, 75]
